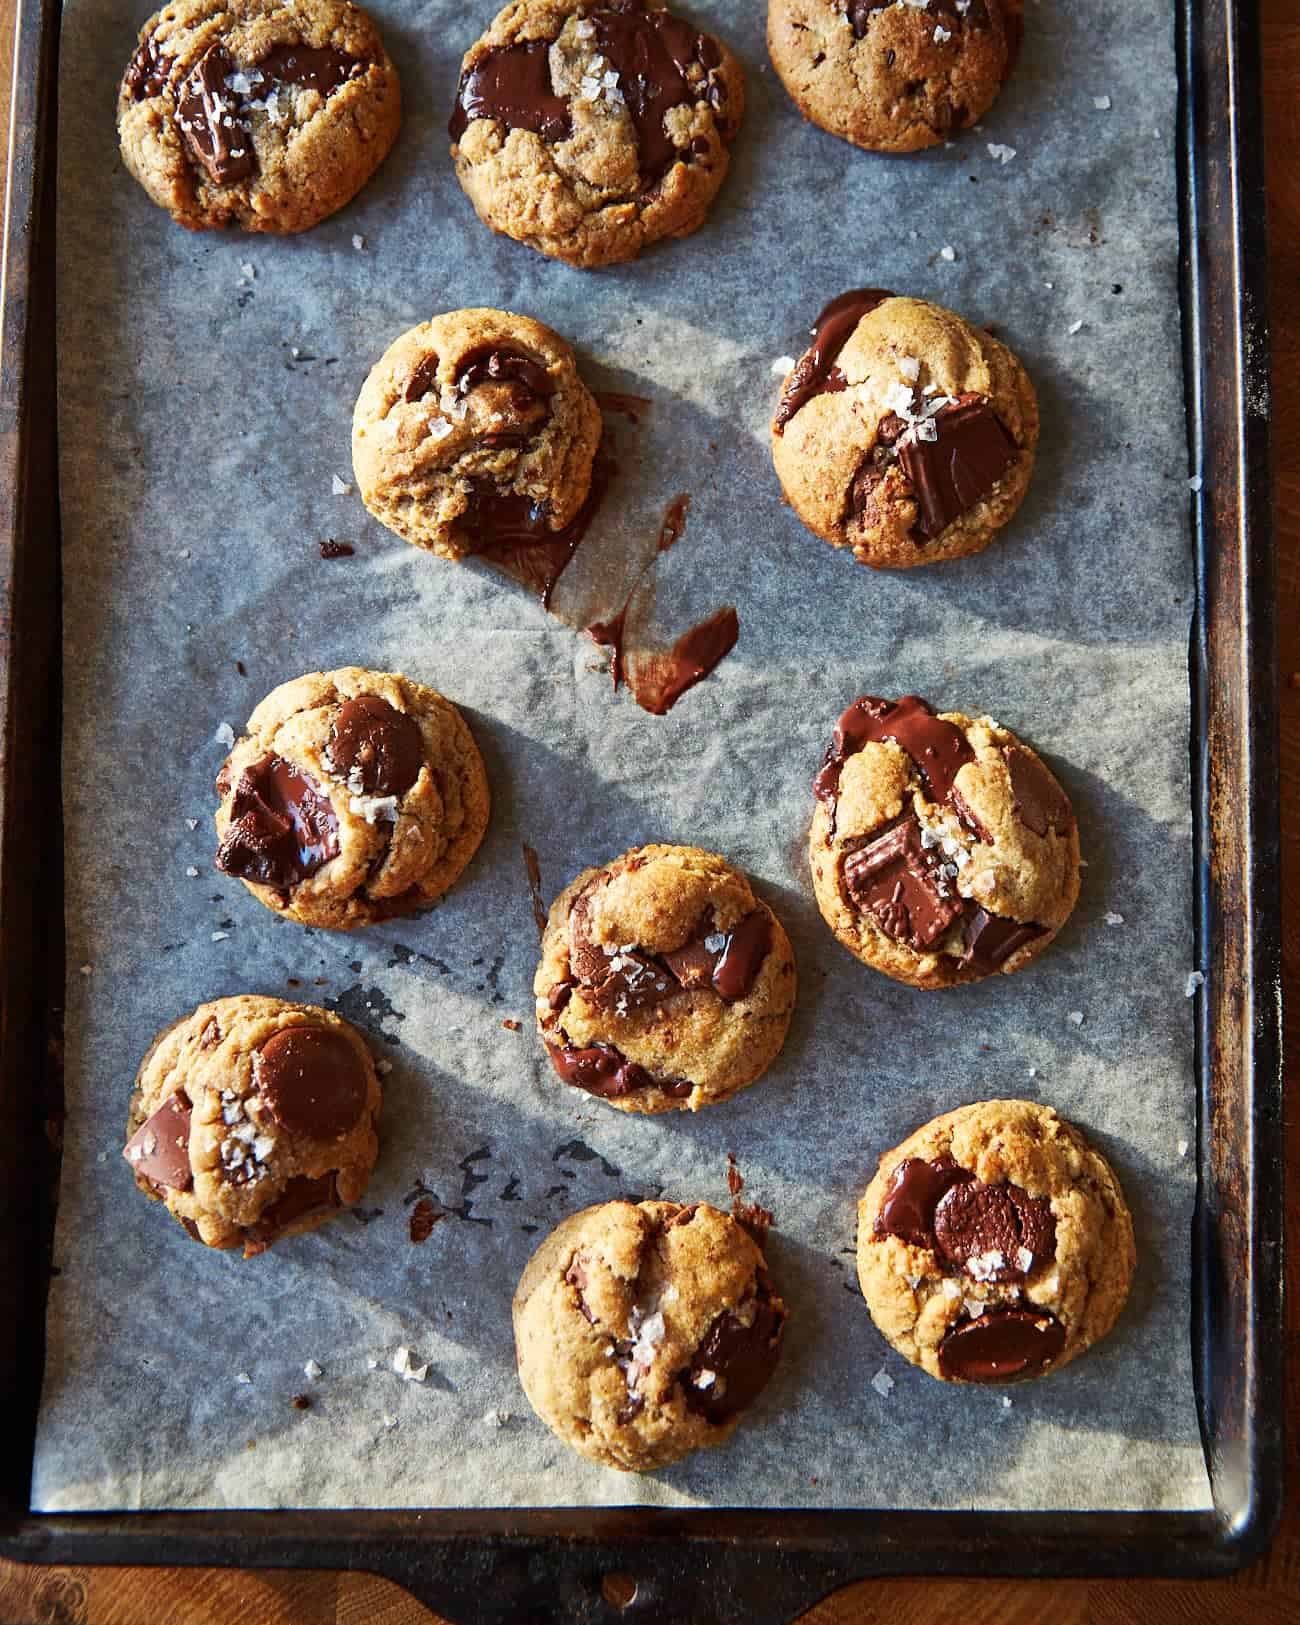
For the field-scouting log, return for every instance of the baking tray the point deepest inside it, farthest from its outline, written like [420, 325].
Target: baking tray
[755, 1566]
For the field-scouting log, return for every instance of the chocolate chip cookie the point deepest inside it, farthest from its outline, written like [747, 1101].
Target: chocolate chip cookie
[646, 1330]
[942, 848]
[664, 982]
[354, 796]
[590, 128]
[474, 434]
[903, 432]
[263, 114]
[994, 1244]
[254, 1119]
[894, 75]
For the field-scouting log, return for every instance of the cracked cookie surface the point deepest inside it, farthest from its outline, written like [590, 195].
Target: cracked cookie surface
[646, 1330]
[942, 848]
[894, 75]
[263, 114]
[589, 129]
[474, 434]
[353, 797]
[994, 1244]
[664, 982]
[904, 433]
[253, 1119]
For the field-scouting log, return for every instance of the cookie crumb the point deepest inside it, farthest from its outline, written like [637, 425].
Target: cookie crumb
[510, 1025]
[300, 1402]
[330, 549]
[883, 1383]
[1195, 979]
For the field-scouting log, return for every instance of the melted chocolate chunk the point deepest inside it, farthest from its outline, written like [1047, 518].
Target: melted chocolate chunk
[300, 1197]
[661, 679]
[282, 826]
[513, 86]
[213, 122]
[312, 1081]
[902, 886]
[495, 366]
[734, 1362]
[159, 1150]
[313, 67]
[986, 1230]
[605, 1071]
[937, 748]
[991, 940]
[1040, 803]
[914, 1193]
[953, 472]
[651, 52]
[727, 961]
[377, 743]
[422, 379]
[148, 71]
[1004, 1345]
[816, 373]
[512, 533]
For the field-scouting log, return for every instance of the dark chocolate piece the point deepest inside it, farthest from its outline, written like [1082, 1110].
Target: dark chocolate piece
[513, 534]
[937, 748]
[422, 379]
[815, 372]
[513, 86]
[605, 1071]
[379, 744]
[312, 1081]
[213, 122]
[148, 70]
[300, 1197]
[282, 826]
[1003, 1345]
[330, 549]
[734, 1361]
[1040, 803]
[914, 1193]
[991, 940]
[492, 365]
[901, 884]
[728, 961]
[984, 1230]
[952, 473]
[159, 1150]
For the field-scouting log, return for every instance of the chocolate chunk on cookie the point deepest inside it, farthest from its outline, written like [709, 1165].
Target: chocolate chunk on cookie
[942, 848]
[264, 114]
[664, 981]
[894, 76]
[904, 433]
[644, 1331]
[353, 797]
[253, 1119]
[994, 1244]
[589, 129]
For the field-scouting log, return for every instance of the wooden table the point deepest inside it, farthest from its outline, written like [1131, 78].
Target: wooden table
[1267, 1593]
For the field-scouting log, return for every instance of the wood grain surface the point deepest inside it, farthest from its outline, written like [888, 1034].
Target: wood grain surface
[1265, 1594]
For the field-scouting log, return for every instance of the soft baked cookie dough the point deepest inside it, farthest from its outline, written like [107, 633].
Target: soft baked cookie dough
[903, 432]
[646, 1330]
[253, 1119]
[664, 982]
[263, 114]
[942, 848]
[353, 797]
[994, 1244]
[591, 128]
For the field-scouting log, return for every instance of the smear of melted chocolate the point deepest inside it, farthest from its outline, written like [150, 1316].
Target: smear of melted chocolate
[735, 1361]
[603, 1070]
[815, 372]
[282, 827]
[512, 532]
[659, 680]
[938, 749]
[1004, 1345]
[492, 364]
[213, 122]
[148, 71]
[985, 1230]
[914, 1192]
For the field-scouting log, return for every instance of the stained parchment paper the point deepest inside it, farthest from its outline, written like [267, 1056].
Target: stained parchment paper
[206, 386]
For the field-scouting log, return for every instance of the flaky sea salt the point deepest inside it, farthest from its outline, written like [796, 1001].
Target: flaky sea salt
[1194, 980]
[951, 1288]
[496, 1419]
[191, 871]
[405, 1369]
[1076, 1016]
[244, 1378]
[910, 367]
[883, 1383]
[941, 34]
[1101, 103]
[358, 241]
[225, 735]
[948, 252]
[1114, 919]
[1001, 152]
[1196, 483]
[704, 1379]
[312, 1370]
[220, 936]
[1182, 1148]
[191, 823]
[1074, 327]
[339, 487]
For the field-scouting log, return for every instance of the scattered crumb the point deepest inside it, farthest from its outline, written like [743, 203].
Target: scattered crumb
[330, 549]
[1101, 103]
[225, 735]
[1001, 152]
[300, 1402]
[948, 252]
[510, 1025]
[241, 668]
[883, 1383]
[358, 242]
[1196, 483]
[1076, 1016]
[312, 1370]
[339, 487]
[1114, 919]
[1182, 1148]
[782, 365]
[1195, 979]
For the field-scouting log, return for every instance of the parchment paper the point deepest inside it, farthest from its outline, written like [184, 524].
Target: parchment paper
[206, 389]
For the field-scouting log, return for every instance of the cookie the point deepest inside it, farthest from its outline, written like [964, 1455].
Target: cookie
[942, 849]
[894, 75]
[353, 797]
[903, 432]
[254, 1119]
[994, 1244]
[474, 434]
[664, 982]
[646, 1330]
[263, 114]
[588, 130]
